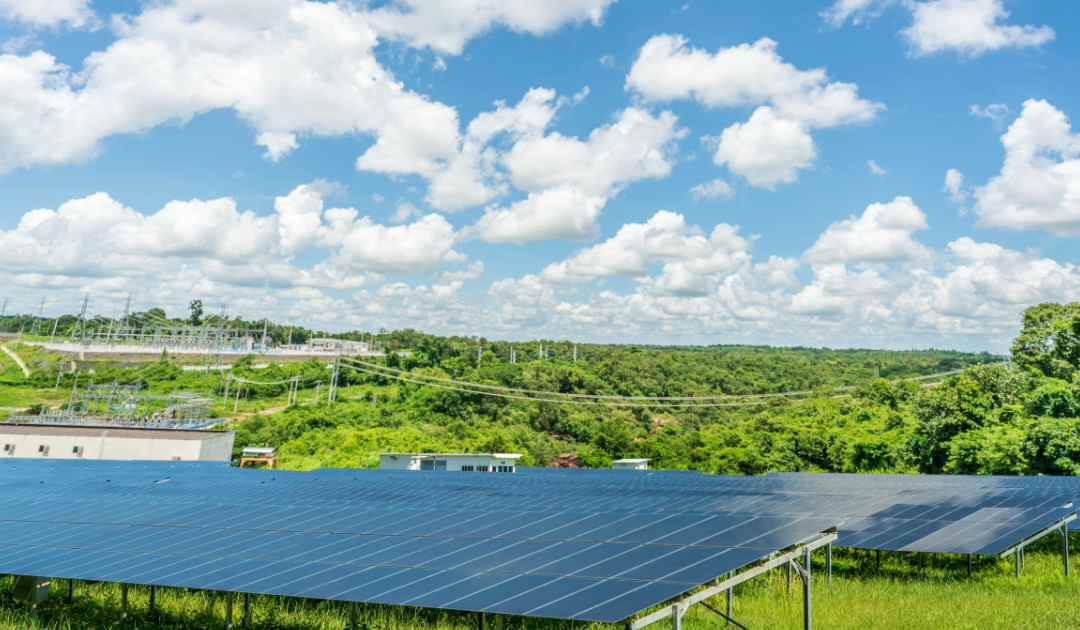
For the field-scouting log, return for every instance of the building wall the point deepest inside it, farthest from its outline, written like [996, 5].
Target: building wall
[403, 462]
[216, 448]
[407, 462]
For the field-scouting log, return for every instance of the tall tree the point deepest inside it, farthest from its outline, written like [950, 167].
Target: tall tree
[196, 312]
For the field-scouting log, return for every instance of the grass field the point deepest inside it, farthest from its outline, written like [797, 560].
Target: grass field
[859, 596]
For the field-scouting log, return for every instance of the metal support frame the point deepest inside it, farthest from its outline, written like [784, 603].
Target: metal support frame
[71, 592]
[247, 610]
[352, 615]
[679, 608]
[1060, 526]
[123, 603]
[153, 599]
[828, 560]
[969, 565]
[879, 559]
[228, 610]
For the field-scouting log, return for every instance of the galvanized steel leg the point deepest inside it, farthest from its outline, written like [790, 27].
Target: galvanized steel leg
[828, 560]
[153, 598]
[498, 622]
[483, 621]
[1065, 547]
[676, 618]
[789, 569]
[920, 562]
[730, 600]
[247, 610]
[123, 603]
[806, 593]
[71, 592]
[1016, 555]
[352, 616]
[969, 565]
[878, 558]
[228, 610]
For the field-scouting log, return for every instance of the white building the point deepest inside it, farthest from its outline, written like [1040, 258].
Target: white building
[466, 462]
[86, 442]
[630, 464]
[340, 346]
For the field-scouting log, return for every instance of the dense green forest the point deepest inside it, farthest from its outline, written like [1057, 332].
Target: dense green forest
[999, 415]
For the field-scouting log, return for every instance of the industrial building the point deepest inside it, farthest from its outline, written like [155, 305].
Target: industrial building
[461, 462]
[96, 442]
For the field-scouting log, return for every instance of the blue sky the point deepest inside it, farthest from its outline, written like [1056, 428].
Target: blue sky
[869, 173]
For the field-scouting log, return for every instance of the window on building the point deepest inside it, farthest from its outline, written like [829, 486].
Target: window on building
[505, 468]
[43, 449]
[468, 468]
[482, 468]
[77, 451]
[9, 449]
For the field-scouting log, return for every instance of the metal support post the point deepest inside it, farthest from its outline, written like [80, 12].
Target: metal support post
[153, 598]
[879, 559]
[731, 599]
[498, 622]
[1017, 558]
[483, 621]
[71, 592]
[123, 603]
[352, 615]
[828, 560]
[920, 562]
[806, 593]
[247, 611]
[1065, 546]
[969, 565]
[789, 568]
[228, 610]
[676, 618]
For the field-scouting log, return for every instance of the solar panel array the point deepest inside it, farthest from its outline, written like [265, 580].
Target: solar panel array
[596, 545]
[537, 544]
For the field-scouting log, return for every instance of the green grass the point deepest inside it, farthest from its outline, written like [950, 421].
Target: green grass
[860, 596]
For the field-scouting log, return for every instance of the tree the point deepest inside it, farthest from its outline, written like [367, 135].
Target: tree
[1049, 339]
[196, 312]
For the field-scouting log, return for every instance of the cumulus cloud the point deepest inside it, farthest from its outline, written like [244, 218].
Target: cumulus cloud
[48, 13]
[969, 27]
[882, 234]
[775, 143]
[447, 26]
[765, 150]
[666, 238]
[1039, 183]
[97, 239]
[560, 212]
[712, 190]
[875, 169]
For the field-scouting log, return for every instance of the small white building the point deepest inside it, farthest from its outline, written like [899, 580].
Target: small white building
[340, 346]
[463, 462]
[96, 442]
[630, 464]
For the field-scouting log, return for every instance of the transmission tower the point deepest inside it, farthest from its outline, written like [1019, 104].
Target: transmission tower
[81, 322]
[3, 312]
[127, 309]
[37, 321]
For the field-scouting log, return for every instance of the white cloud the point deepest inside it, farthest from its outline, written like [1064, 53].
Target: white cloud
[635, 146]
[747, 74]
[882, 234]
[607, 61]
[1039, 183]
[766, 150]
[560, 212]
[404, 212]
[637, 247]
[96, 239]
[447, 26]
[954, 185]
[46, 13]
[858, 10]
[996, 112]
[775, 143]
[712, 190]
[970, 27]
[875, 169]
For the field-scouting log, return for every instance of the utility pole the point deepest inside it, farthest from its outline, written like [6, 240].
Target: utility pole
[331, 394]
[127, 309]
[54, 329]
[575, 353]
[3, 312]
